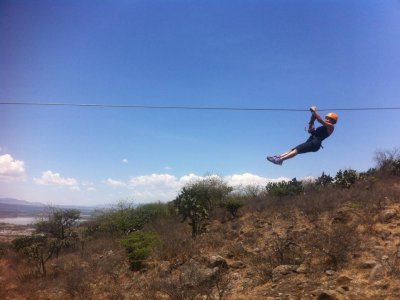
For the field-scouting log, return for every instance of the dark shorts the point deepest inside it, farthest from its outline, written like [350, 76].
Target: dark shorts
[311, 145]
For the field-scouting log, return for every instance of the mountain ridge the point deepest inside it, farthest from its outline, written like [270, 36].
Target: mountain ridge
[19, 202]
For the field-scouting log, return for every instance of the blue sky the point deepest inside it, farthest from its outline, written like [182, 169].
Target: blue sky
[257, 54]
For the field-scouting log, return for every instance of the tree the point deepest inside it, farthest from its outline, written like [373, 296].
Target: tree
[37, 248]
[233, 203]
[59, 223]
[139, 246]
[388, 162]
[285, 188]
[324, 180]
[59, 227]
[346, 178]
[196, 200]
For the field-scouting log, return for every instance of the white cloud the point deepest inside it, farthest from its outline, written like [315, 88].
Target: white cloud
[50, 178]
[154, 187]
[125, 161]
[91, 189]
[165, 187]
[154, 181]
[114, 183]
[75, 188]
[247, 179]
[11, 169]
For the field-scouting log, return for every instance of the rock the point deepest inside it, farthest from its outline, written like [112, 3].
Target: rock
[386, 215]
[193, 273]
[330, 272]
[237, 265]
[341, 217]
[218, 261]
[368, 264]
[302, 269]
[343, 280]
[382, 284]
[282, 270]
[376, 273]
[326, 295]
[342, 289]
[385, 234]
[236, 276]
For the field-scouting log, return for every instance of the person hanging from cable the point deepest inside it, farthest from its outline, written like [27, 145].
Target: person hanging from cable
[317, 135]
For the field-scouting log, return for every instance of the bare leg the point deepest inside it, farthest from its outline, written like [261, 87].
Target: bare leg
[289, 154]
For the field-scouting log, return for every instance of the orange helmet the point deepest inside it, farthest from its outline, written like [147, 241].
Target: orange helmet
[332, 116]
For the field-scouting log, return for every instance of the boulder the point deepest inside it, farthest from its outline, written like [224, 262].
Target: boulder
[387, 215]
[343, 280]
[282, 270]
[218, 261]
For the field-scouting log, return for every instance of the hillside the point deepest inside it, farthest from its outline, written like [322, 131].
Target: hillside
[326, 242]
[12, 201]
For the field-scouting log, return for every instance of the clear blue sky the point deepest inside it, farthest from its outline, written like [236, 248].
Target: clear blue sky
[262, 54]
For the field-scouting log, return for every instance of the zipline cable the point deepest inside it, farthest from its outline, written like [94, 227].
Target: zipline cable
[132, 106]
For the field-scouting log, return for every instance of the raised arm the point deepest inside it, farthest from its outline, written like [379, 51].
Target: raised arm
[317, 117]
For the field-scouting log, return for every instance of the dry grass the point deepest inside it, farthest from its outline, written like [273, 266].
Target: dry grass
[306, 230]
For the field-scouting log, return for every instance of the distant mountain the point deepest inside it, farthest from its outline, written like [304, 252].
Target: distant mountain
[19, 202]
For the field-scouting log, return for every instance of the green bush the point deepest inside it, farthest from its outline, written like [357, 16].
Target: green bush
[346, 178]
[324, 180]
[196, 200]
[126, 218]
[139, 246]
[37, 248]
[233, 204]
[285, 188]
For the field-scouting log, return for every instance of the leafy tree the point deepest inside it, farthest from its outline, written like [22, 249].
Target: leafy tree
[196, 200]
[139, 246]
[285, 188]
[324, 180]
[37, 248]
[59, 223]
[59, 227]
[346, 178]
[233, 204]
[127, 218]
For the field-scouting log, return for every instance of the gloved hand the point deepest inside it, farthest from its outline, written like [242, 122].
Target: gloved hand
[313, 108]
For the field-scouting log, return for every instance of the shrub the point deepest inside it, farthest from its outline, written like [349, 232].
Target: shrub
[285, 188]
[233, 204]
[388, 162]
[324, 180]
[283, 249]
[59, 226]
[346, 178]
[196, 200]
[59, 223]
[37, 248]
[126, 218]
[335, 243]
[139, 246]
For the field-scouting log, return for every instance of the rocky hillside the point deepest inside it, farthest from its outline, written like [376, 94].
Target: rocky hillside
[325, 243]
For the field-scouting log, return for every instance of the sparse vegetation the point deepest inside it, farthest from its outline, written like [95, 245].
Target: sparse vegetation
[285, 188]
[290, 238]
[139, 246]
[196, 200]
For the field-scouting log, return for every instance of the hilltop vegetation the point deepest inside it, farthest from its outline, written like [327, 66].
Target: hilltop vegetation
[334, 238]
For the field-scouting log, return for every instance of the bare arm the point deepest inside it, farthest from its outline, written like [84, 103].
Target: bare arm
[311, 124]
[317, 117]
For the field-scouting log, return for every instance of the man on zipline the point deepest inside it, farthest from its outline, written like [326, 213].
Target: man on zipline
[314, 141]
